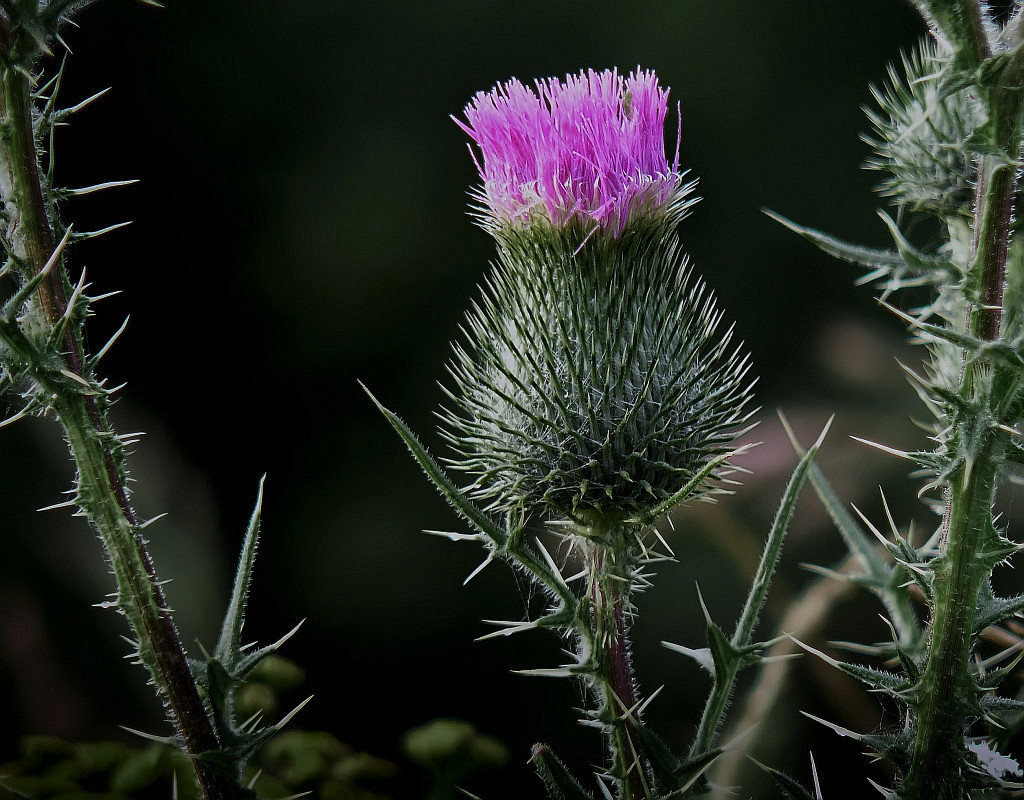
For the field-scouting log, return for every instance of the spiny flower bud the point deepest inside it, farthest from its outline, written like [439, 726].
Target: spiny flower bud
[596, 375]
[920, 134]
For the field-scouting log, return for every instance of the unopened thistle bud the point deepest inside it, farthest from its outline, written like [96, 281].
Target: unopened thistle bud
[919, 137]
[596, 375]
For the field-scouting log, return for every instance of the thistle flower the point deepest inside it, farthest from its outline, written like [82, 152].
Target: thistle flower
[590, 148]
[596, 376]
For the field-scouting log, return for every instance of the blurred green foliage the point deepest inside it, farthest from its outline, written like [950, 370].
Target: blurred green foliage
[452, 750]
[296, 761]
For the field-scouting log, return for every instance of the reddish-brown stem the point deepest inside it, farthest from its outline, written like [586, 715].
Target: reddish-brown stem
[618, 691]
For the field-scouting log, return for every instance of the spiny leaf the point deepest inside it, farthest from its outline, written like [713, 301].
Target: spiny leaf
[702, 655]
[14, 305]
[845, 251]
[440, 479]
[773, 546]
[791, 788]
[229, 645]
[992, 609]
[657, 512]
[877, 679]
[879, 575]
[677, 775]
[559, 782]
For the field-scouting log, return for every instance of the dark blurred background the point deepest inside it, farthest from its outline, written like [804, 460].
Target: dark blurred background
[299, 225]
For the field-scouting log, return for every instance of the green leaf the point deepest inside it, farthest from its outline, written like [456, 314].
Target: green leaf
[458, 501]
[14, 306]
[918, 262]
[877, 679]
[856, 538]
[727, 659]
[773, 547]
[879, 576]
[650, 517]
[791, 788]
[229, 645]
[992, 609]
[675, 774]
[845, 251]
[559, 782]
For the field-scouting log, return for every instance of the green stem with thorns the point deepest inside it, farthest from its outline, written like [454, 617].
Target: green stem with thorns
[66, 379]
[609, 585]
[942, 692]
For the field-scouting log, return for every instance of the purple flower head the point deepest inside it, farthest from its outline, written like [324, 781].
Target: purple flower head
[591, 148]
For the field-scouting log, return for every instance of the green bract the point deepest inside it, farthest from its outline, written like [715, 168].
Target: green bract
[595, 375]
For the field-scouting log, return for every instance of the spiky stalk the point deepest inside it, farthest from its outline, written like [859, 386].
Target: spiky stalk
[729, 656]
[946, 688]
[610, 579]
[955, 123]
[43, 336]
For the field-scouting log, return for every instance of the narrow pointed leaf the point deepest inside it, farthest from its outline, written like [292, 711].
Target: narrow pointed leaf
[845, 251]
[791, 788]
[992, 609]
[440, 478]
[701, 655]
[675, 774]
[229, 645]
[773, 547]
[559, 782]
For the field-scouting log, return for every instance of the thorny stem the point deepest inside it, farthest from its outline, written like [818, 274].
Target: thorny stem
[91, 441]
[962, 22]
[974, 22]
[609, 598]
[934, 773]
[960, 572]
[141, 597]
[714, 711]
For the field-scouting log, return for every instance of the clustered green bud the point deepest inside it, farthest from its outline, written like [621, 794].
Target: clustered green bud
[920, 130]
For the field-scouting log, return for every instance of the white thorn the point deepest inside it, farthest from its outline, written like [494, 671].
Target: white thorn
[98, 187]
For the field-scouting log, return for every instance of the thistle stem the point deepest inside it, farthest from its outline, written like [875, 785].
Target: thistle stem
[942, 713]
[139, 594]
[609, 589]
[101, 487]
[944, 703]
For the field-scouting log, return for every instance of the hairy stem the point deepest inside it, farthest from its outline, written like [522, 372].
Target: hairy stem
[609, 598]
[101, 485]
[944, 706]
[962, 22]
[139, 594]
[935, 768]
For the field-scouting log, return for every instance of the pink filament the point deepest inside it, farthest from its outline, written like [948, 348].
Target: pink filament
[591, 147]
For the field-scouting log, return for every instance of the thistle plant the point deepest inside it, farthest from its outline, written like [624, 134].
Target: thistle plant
[46, 364]
[947, 139]
[596, 388]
